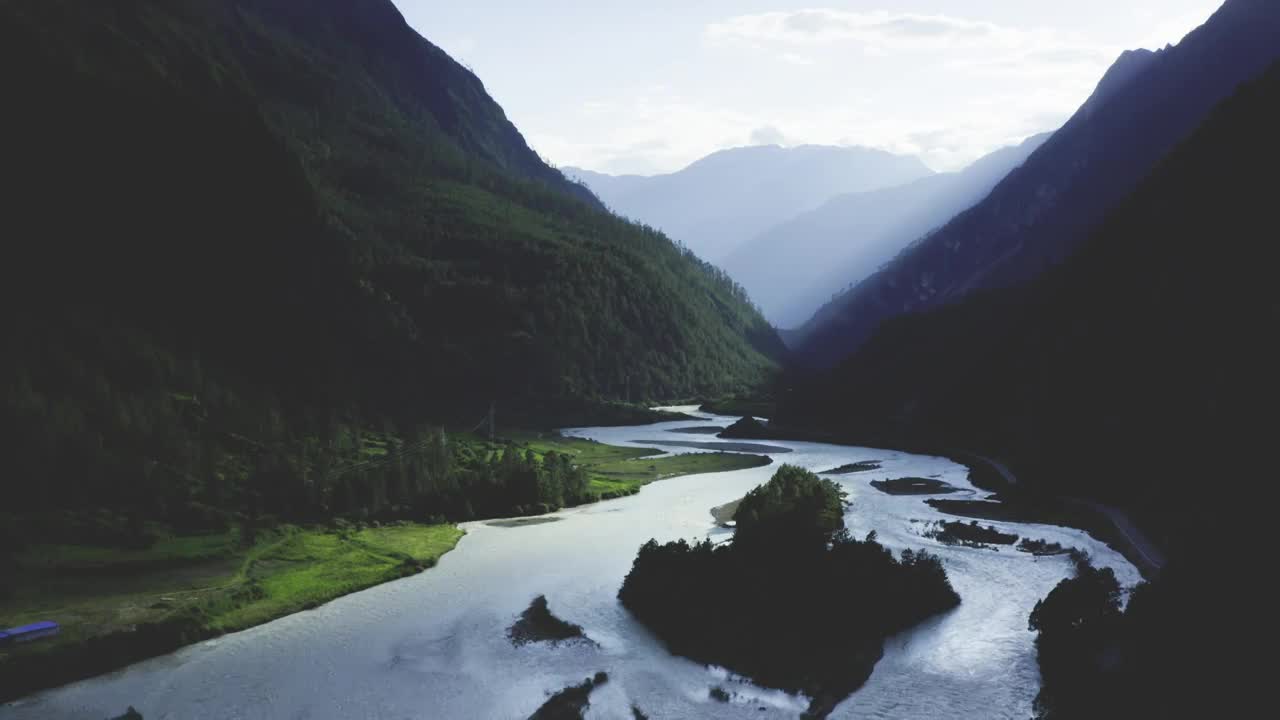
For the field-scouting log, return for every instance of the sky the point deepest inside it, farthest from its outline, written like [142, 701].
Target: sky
[649, 86]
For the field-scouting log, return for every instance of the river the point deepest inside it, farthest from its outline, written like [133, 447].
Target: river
[434, 646]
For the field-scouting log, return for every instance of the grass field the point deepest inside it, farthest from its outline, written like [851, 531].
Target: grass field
[304, 569]
[616, 471]
[95, 592]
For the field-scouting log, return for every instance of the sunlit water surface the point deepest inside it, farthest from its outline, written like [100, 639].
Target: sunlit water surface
[435, 646]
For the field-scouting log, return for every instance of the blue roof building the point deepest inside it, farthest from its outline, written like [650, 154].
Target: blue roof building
[26, 633]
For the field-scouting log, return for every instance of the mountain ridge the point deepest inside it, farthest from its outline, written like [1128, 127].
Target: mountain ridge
[721, 200]
[1034, 217]
[791, 269]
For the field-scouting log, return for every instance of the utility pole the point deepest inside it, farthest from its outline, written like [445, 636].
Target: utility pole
[492, 411]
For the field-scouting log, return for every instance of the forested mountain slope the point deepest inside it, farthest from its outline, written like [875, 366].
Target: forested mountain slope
[236, 228]
[1141, 372]
[1037, 216]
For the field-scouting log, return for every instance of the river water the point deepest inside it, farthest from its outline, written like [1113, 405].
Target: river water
[434, 645]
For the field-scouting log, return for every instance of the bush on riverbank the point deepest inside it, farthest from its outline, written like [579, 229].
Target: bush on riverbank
[793, 602]
[1185, 646]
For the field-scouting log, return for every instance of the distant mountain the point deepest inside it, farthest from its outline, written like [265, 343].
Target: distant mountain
[1036, 217]
[1140, 371]
[791, 269]
[728, 197]
[606, 186]
[240, 229]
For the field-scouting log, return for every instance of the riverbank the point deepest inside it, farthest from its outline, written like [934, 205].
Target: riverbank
[117, 607]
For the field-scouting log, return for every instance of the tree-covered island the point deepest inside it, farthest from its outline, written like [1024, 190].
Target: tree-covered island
[793, 601]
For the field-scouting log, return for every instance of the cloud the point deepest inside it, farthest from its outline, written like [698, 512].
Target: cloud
[643, 131]
[767, 135]
[960, 86]
[1044, 64]
[663, 132]
[796, 58]
[879, 29]
[984, 46]
[946, 89]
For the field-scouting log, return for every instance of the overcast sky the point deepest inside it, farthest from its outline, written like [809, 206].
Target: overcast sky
[648, 86]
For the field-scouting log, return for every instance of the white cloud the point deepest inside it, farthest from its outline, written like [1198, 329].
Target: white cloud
[898, 80]
[881, 29]
[946, 89]
[663, 132]
[768, 135]
[796, 58]
[657, 133]
[646, 132]
[985, 47]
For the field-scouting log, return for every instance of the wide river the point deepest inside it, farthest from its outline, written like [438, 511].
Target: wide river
[435, 646]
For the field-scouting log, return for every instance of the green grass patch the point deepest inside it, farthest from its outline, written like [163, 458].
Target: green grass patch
[587, 453]
[307, 568]
[615, 471]
[210, 577]
[641, 471]
[304, 570]
[424, 543]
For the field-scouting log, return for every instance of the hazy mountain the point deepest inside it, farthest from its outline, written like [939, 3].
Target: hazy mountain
[1142, 367]
[606, 186]
[241, 224]
[728, 197]
[791, 269]
[1039, 213]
